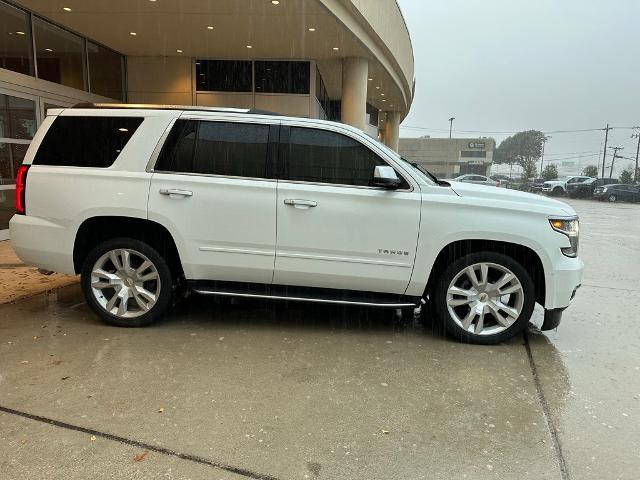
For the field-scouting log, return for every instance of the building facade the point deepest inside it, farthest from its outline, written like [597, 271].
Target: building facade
[450, 157]
[343, 60]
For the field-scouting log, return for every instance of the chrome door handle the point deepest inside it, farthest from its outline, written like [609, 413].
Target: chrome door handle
[298, 203]
[174, 192]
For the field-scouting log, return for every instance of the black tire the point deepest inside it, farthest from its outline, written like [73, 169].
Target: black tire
[165, 281]
[440, 298]
[557, 191]
[612, 198]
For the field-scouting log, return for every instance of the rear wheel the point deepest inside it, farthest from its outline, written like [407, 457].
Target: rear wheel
[126, 282]
[484, 298]
[612, 198]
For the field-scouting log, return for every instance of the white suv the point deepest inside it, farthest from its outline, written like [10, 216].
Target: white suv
[148, 202]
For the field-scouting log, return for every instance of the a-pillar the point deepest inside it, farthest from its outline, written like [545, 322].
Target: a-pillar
[391, 133]
[354, 91]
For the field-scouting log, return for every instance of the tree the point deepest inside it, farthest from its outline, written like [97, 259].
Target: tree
[590, 171]
[529, 169]
[626, 176]
[520, 148]
[550, 172]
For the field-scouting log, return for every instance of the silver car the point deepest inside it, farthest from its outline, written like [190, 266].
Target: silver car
[479, 179]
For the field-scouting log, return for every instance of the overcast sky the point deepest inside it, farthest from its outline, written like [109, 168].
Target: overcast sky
[511, 65]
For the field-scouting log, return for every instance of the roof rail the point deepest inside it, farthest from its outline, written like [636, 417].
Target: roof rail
[148, 106]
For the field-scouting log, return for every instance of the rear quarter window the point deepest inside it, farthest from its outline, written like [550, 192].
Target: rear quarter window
[86, 141]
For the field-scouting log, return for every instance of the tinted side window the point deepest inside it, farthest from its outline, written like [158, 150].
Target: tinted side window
[177, 151]
[86, 141]
[232, 149]
[216, 148]
[320, 156]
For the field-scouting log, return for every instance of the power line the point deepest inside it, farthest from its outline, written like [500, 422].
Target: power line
[505, 132]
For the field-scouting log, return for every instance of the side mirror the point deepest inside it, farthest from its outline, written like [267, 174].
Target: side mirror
[385, 177]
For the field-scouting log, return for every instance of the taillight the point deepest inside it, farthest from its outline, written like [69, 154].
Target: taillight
[21, 183]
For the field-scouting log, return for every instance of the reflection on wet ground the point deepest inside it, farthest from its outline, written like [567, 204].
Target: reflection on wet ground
[271, 390]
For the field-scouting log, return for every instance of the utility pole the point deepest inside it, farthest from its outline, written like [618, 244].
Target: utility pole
[451, 125]
[635, 172]
[613, 160]
[604, 154]
[544, 141]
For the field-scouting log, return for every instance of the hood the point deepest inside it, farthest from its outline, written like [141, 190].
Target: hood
[514, 199]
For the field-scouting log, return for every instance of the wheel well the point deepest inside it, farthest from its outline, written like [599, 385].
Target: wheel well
[99, 229]
[529, 260]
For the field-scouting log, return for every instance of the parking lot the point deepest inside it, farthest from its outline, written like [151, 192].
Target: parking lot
[223, 390]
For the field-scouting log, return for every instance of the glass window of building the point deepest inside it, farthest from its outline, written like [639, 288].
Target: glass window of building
[17, 127]
[105, 71]
[15, 40]
[223, 75]
[282, 77]
[372, 115]
[59, 55]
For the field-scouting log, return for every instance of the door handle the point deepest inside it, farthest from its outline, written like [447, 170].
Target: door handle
[174, 192]
[299, 203]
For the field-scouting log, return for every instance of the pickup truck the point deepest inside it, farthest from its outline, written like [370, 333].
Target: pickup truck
[559, 187]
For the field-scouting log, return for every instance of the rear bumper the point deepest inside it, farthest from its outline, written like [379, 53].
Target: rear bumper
[42, 243]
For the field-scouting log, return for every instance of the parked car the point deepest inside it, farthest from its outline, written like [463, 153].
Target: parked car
[621, 192]
[586, 189]
[148, 203]
[533, 186]
[503, 180]
[559, 187]
[477, 179]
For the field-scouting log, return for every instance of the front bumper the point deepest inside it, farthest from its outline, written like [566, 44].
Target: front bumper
[552, 319]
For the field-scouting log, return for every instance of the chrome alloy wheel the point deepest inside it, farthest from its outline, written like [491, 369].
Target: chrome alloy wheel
[485, 298]
[125, 283]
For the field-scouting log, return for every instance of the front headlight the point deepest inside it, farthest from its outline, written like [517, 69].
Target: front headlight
[569, 227]
[604, 189]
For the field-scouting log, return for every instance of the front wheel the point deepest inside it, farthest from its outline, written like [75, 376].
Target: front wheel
[557, 191]
[484, 298]
[612, 198]
[126, 282]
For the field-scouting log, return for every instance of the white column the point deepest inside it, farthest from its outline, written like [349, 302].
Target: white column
[392, 130]
[354, 91]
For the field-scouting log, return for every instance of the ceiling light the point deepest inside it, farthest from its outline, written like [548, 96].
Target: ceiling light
[178, 51]
[275, 2]
[377, 88]
[209, 27]
[384, 100]
[133, 33]
[370, 79]
[66, 9]
[48, 50]
[122, 129]
[249, 46]
[382, 94]
[19, 32]
[336, 48]
[311, 29]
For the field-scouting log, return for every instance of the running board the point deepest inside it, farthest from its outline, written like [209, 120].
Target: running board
[303, 294]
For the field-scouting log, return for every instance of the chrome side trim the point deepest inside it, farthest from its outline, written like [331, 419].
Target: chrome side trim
[364, 261]
[237, 250]
[303, 299]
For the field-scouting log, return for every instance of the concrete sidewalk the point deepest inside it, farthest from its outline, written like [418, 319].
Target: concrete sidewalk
[18, 280]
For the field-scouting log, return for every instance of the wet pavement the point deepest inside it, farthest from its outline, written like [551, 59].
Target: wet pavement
[264, 390]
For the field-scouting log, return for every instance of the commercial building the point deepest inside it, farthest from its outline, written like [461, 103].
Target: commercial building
[450, 157]
[344, 60]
